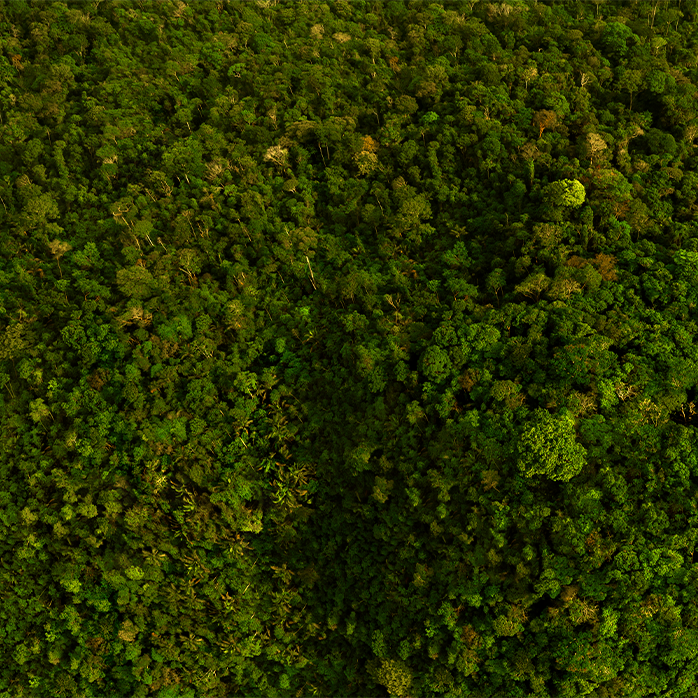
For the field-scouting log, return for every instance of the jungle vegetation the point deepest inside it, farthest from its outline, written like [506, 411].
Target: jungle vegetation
[348, 348]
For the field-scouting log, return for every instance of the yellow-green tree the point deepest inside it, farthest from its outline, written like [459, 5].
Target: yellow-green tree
[549, 447]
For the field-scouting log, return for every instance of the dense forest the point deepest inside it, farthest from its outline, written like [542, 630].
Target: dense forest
[348, 348]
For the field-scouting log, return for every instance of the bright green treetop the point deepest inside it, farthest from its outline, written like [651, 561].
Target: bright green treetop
[566, 192]
[549, 447]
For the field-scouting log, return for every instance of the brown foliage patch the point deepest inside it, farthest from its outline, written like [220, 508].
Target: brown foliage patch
[470, 637]
[605, 263]
[98, 379]
[469, 379]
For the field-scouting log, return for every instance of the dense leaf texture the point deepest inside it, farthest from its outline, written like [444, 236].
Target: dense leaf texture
[348, 349]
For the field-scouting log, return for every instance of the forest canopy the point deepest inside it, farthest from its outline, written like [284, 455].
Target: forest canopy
[348, 348]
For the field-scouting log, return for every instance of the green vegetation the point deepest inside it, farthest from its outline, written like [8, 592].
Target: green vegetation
[348, 349]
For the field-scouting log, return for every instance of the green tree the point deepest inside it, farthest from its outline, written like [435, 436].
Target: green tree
[548, 446]
[630, 81]
[563, 194]
[135, 281]
[615, 38]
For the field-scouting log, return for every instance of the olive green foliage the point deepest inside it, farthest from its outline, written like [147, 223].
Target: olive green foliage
[348, 348]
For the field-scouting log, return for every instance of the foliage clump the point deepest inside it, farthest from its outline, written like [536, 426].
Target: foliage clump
[548, 446]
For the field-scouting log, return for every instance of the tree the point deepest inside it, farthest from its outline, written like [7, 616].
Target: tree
[58, 249]
[660, 142]
[615, 37]
[429, 118]
[394, 674]
[495, 281]
[436, 364]
[534, 284]
[136, 282]
[630, 81]
[549, 447]
[277, 155]
[184, 158]
[569, 193]
[514, 197]
[528, 73]
[545, 118]
[595, 145]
